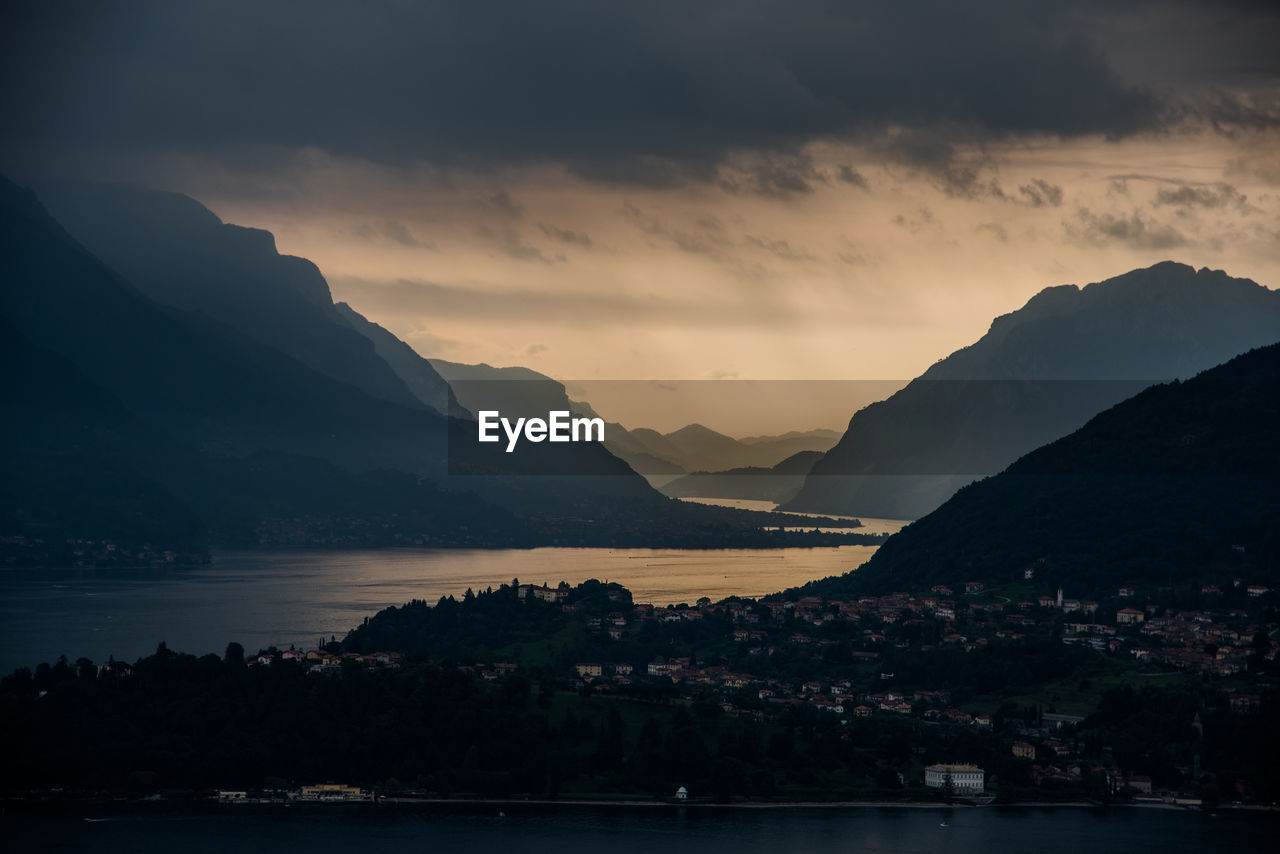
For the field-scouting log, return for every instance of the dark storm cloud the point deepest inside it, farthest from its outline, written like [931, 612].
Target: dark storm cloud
[934, 153]
[1203, 196]
[1135, 230]
[658, 93]
[781, 248]
[846, 174]
[1178, 193]
[915, 224]
[1040, 193]
[777, 177]
[995, 229]
[566, 235]
[707, 242]
[391, 230]
[502, 202]
[509, 243]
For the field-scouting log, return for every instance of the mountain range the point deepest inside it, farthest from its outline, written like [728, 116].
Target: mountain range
[1037, 374]
[659, 456]
[1179, 485]
[777, 483]
[177, 252]
[200, 387]
[181, 382]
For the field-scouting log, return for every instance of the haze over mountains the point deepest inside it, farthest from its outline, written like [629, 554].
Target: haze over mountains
[777, 483]
[1179, 484]
[227, 399]
[125, 396]
[660, 456]
[198, 384]
[1039, 373]
[414, 371]
[179, 253]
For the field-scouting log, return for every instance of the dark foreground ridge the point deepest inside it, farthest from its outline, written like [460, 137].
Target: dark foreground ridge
[1179, 484]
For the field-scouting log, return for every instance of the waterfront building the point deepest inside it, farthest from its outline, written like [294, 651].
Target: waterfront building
[964, 778]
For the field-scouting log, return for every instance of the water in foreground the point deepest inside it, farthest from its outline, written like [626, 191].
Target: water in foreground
[478, 829]
[295, 597]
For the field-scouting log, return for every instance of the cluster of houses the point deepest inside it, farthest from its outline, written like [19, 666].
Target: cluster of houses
[1213, 641]
[321, 661]
[326, 793]
[21, 550]
[1217, 642]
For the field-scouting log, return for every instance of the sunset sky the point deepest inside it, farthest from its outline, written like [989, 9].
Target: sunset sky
[680, 190]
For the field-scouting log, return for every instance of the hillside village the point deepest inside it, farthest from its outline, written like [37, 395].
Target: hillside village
[1155, 694]
[854, 660]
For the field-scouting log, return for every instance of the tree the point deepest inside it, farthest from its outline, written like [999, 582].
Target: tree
[948, 789]
[609, 745]
[234, 656]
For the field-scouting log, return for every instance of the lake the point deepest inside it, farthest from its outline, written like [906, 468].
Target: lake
[529, 829]
[261, 598]
[870, 524]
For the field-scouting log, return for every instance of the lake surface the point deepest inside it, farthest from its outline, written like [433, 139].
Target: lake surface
[621, 830]
[262, 598]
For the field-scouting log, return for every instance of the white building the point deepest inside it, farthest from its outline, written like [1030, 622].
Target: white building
[964, 778]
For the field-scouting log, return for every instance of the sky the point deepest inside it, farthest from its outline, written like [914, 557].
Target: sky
[733, 189]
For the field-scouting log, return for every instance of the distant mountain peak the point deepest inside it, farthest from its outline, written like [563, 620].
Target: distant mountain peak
[1177, 486]
[180, 254]
[695, 430]
[1040, 372]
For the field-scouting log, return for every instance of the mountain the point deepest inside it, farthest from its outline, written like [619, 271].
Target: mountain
[142, 433]
[177, 252]
[713, 451]
[417, 373]
[185, 374]
[514, 391]
[1039, 373]
[702, 449]
[177, 412]
[520, 391]
[1178, 486]
[777, 484]
[69, 455]
[806, 437]
[195, 411]
[231, 281]
[648, 445]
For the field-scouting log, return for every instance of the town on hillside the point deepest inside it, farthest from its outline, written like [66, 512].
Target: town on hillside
[538, 690]
[971, 694]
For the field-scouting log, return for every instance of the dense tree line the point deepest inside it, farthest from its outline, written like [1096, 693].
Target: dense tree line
[177, 722]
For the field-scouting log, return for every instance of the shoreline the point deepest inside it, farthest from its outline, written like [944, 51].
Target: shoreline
[207, 801]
